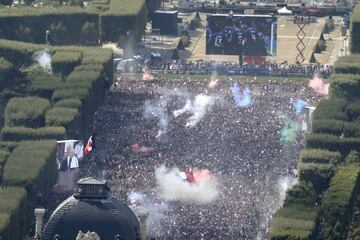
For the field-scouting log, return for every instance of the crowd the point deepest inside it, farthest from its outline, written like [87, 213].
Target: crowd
[226, 68]
[241, 147]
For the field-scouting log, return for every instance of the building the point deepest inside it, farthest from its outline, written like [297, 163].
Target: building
[92, 209]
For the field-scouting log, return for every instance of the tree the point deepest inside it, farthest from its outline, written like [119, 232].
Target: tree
[180, 45]
[197, 16]
[175, 54]
[322, 37]
[353, 158]
[312, 58]
[6, 2]
[24, 34]
[89, 34]
[58, 33]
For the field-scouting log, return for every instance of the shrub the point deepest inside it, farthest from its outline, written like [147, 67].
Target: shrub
[352, 111]
[13, 213]
[69, 103]
[318, 175]
[59, 94]
[27, 111]
[337, 203]
[89, 34]
[322, 141]
[334, 127]
[3, 156]
[22, 133]
[64, 62]
[301, 193]
[348, 64]
[354, 30]
[332, 108]
[42, 84]
[66, 117]
[295, 222]
[345, 86]
[319, 156]
[8, 146]
[194, 24]
[6, 70]
[353, 158]
[352, 129]
[32, 165]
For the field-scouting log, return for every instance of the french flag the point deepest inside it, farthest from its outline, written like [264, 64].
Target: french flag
[89, 146]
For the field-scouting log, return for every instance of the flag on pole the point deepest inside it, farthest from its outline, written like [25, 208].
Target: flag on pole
[89, 147]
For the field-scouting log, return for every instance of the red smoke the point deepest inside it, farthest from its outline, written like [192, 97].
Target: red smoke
[141, 149]
[318, 85]
[197, 175]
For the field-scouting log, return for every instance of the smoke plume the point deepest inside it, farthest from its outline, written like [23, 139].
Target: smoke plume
[299, 106]
[198, 108]
[289, 131]
[158, 111]
[173, 188]
[318, 85]
[43, 58]
[241, 99]
[157, 210]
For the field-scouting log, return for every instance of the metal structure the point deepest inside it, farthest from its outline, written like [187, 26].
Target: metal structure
[301, 22]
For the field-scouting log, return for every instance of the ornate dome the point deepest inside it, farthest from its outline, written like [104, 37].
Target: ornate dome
[92, 209]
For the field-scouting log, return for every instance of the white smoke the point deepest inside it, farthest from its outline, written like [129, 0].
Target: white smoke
[157, 210]
[284, 184]
[173, 188]
[198, 108]
[43, 58]
[158, 110]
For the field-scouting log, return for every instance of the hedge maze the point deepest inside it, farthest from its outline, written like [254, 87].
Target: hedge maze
[326, 201]
[100, 21]
[38, 108]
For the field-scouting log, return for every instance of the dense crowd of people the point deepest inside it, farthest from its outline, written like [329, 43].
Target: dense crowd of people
[226, 68]
[241, 147]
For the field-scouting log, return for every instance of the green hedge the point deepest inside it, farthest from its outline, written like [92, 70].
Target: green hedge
[32, 165]
[353, 111]
[332, 108]
[8, 146]
[348, 64]
[303, 193]
[345, 86]
[70, 24]
[352, 129]
[6, 71]
[355, 30]
[3, 156]
[13, 218]
[42, 84]
[337, 203]
[27, 111]
[322, 141]
[64, 62]
[295, 222]
[81, 93]
[69, 103]
[334, 127]
[318, 175]
[22, 133]
[331, 143]
[66, 117]
[319, 156]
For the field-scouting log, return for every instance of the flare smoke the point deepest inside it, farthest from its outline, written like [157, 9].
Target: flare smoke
[43, 58]
[173, 188]
[243, 99]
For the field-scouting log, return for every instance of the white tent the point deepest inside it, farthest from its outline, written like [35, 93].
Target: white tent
[284, 11]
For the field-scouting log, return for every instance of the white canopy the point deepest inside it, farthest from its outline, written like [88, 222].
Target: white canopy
[284, 11]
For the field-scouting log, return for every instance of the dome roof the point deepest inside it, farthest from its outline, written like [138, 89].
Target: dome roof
[86, 211]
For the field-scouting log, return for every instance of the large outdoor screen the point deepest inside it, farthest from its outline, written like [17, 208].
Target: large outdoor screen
[245, 35]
